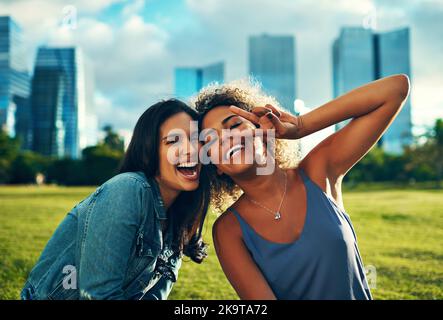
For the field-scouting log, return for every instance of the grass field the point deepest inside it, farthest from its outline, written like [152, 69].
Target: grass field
[400, 232]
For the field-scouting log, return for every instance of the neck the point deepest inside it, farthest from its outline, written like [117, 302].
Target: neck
[168, 195]
[258, 186]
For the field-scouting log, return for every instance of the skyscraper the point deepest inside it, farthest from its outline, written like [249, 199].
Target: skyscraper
[272, 62]
[189, 80]
[14, 78]
[393, 58]
[67, 61]
[361, 56]
[353, 61]
[48, 91]
[213, 73]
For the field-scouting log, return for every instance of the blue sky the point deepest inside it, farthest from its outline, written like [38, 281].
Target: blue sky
[134, 46]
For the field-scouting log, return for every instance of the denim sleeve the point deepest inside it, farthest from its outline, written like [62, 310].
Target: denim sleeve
[162, 289]
[110, 227]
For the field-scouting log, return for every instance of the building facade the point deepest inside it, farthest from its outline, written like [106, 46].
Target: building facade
[360, 56]
[189, 80]
[14, 81]
[272, 63]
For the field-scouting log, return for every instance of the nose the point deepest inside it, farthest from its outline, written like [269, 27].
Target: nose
[236, 136]
[189, 147]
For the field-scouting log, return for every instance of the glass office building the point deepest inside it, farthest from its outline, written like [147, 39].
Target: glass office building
[353, 61]
[48, 91]
[14, 79]
[67, 61]
[272, 62]
[393, 58]
[189, 80]
[360, 56]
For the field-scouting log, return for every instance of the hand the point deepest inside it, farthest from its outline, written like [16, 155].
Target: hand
[286, 125]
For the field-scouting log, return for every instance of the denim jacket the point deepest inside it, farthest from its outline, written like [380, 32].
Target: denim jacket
[110, 246]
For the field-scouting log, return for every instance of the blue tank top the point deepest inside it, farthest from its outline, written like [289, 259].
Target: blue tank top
[324, 263]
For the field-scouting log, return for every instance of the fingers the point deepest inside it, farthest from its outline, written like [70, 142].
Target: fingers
[271, 121]
[275, 123]
[274, 110]
[267, 117]
[261, 111]
[245, 114]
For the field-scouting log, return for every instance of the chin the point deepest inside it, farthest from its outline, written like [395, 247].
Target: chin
[190, 188]
[239, 169]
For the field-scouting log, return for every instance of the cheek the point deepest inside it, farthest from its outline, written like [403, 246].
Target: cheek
[211, 151]
[169, 155]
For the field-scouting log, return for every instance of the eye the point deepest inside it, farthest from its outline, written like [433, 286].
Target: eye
[172, 139]
[235, 125]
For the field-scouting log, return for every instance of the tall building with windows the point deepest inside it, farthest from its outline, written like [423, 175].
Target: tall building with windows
[393, 57]
[48, 91]
[360, 56]
[68, 62]
[353, 61]
[14, 79]
[272, 62]
[189, 80]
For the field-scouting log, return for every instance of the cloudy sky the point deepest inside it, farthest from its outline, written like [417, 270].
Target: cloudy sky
[135, 45]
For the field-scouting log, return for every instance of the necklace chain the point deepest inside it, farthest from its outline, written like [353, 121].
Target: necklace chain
[277, 214]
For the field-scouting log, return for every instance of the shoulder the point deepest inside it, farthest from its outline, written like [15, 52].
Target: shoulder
[226, 226]
[127, 182]
[315, 166]
[129, 178]
[125, 189]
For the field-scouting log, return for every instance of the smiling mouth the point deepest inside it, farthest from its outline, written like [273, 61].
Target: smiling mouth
[233, 151]
[188, 170]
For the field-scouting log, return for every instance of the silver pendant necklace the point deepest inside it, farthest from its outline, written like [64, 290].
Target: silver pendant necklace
[277, 214]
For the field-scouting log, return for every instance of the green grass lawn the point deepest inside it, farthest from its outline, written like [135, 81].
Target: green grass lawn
[400, 232]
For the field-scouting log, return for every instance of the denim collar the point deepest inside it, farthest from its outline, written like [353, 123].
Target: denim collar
[160, 210]
[158, 201]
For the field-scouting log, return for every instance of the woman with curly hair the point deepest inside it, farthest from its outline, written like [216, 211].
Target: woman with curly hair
[287, 235]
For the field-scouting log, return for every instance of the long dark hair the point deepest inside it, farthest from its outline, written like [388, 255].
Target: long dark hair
[190, 207]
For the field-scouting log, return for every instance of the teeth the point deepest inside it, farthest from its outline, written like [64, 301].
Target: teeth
[187, 165]
[233, 150]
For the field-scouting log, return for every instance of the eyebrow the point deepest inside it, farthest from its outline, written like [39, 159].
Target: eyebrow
[228, 118]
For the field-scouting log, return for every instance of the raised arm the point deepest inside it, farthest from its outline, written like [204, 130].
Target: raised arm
[373, 108]
[236, 261]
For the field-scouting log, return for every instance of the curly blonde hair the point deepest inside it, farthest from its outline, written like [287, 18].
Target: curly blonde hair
[245, 94]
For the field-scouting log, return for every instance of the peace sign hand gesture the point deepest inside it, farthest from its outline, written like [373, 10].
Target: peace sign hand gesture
[286, 125]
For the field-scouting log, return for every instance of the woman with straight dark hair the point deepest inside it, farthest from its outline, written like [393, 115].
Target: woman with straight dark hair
[126, 240]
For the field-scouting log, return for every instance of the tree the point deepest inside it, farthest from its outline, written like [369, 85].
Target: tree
[9, 149]
[100, 163]
[27, 165]
[112, 139]
[426, 159]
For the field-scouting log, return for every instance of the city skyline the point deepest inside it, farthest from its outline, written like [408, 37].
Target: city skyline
[200, 32]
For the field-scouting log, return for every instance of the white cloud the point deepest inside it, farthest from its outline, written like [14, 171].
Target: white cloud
[133, 7]
[134, 59]
[315, 25]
